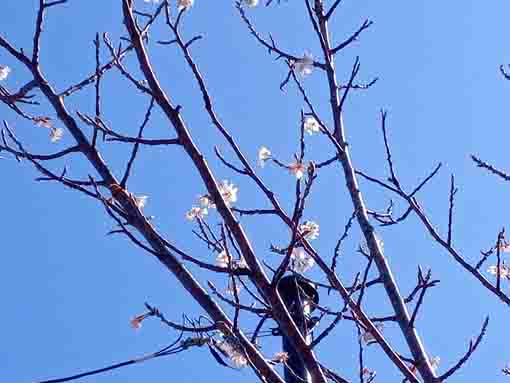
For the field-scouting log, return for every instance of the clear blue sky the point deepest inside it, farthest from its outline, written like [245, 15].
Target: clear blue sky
[68, 291]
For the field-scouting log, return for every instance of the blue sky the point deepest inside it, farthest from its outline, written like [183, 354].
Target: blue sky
[69, 290]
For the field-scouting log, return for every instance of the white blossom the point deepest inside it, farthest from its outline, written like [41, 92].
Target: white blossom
[311, 125]
[366, 337]
[184, 4]
[309, 229]
[196, 212]
[298, 169]
[300, 261]
[304, 66]
[56, 134]
[4, 72]
[141, 201]
[263, 156]
[223, 259]
[228, 192]
[251, 3]
[231, 348]
[504, 271]
[206, 202]
[240, 263]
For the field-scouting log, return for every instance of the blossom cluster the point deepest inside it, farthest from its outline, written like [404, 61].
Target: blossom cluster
[227, 190]
[504, 269]
[301, 261]
[311, 125]
[309, 230]
[4, 72]
[298, 167]
[231, 348]
[304, 65]
[225, 260]
[141, 201]
[45, 122]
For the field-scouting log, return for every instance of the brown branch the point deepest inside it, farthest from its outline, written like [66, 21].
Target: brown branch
[235, 304]
[453, 191]
[361, 86]
[154, 311]
[37, 34]
[215, 268]
[259, 276]
[118, 64]
[129, 205]
[332, 9]
[490, 168]
[254, 211]
[424, 284]
[390, 285]
[271, 47]
[97, 45]
[504, 73]
[137, 145]
[41, 157]
[341, 239]
[471, 349]
[354, 72]
[366, 24]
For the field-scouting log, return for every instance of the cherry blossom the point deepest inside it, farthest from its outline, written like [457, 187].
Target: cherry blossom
[298, 169]
[141, 201]
[504, 271]
[184, 4]
[300, 261]
[311, 125]
[309, 229]
[196, 212]
[231, 348]
[304, 66]
[228, 192]
[56, 134]
[4, 72]
[263, 155]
